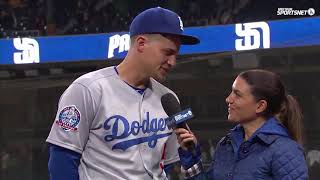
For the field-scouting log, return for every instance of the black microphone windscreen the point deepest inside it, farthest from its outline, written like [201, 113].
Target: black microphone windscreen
[170, 104]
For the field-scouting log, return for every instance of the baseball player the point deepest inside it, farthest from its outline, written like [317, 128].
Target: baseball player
[110, 122]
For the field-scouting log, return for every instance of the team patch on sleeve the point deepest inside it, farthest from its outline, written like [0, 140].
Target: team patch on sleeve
[69, 118]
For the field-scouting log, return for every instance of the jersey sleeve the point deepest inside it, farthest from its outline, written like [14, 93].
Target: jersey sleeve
[171, 150]
[72, 123]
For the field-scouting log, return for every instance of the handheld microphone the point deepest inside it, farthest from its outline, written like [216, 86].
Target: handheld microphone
[177, 118]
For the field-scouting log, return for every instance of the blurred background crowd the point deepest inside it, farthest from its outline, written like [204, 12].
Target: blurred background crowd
[60, 17]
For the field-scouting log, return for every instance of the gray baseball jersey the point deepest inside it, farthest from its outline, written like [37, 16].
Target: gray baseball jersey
[120, 133]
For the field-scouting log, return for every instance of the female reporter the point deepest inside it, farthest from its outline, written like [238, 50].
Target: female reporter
[266, 143]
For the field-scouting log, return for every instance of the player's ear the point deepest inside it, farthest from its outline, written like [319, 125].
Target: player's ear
[140, 42]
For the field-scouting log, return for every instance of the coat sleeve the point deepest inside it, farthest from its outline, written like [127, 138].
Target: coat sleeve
[288, 162]
[196, 172]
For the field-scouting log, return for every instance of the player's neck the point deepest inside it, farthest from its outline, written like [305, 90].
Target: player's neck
[132, 74]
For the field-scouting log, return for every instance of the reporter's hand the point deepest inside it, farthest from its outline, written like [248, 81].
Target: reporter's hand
[185, 137]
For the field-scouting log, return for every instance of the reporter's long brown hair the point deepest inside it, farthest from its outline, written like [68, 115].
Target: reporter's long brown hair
[266, 85]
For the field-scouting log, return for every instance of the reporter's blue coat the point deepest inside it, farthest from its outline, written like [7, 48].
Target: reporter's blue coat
[268, 154]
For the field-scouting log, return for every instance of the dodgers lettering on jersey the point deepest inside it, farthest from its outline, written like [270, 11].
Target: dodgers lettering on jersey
[154, 126]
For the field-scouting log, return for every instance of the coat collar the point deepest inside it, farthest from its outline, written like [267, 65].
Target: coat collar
[267, 133]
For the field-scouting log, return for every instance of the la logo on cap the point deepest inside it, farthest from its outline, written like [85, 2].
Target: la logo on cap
[181, 23]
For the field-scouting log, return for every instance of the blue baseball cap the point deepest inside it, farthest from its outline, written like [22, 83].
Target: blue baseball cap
[162, 21]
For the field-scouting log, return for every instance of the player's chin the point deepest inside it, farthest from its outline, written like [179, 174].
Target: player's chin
[160, 77]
